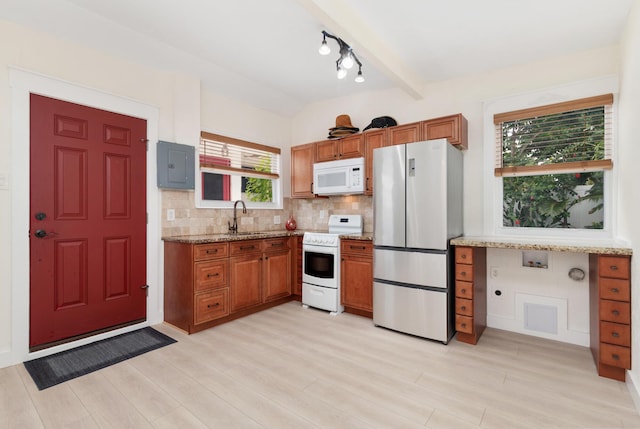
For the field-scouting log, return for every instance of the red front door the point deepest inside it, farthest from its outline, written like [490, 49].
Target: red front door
[87, 220]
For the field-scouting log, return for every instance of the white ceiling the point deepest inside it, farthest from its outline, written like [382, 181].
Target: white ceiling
[264, 52]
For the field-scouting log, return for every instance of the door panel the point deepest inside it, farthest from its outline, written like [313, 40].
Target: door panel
[87, 220]
[389, 198]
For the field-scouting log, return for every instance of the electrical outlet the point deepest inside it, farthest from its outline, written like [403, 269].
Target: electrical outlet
[276, 220]
[494, 272]
[323, 214]
[171, 214]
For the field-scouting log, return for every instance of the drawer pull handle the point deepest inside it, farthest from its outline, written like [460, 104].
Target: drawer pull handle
[614, 267]
[615, 290]
[615, 312]
[464, 325]
[210, 251]
[356, 247]
[217, 304]
[463, 256]
[463, 273]
[247, 247]
[464, 307]
[615, 356]
[615, 335]
[277, 244]
[212, 275]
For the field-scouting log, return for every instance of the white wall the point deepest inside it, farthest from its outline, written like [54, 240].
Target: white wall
[629, 207]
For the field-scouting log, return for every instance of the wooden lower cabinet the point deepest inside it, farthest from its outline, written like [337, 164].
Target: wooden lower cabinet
[276, 272]
[208, 284]
[195, 284]
[610, 314]
[470, 293]
[244, 288]
[356, 276]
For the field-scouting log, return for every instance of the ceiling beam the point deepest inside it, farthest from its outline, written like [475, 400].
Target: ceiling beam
[343, 22]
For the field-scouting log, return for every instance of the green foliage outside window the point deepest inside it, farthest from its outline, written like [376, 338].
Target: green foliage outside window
[260, 190]
[545, 201]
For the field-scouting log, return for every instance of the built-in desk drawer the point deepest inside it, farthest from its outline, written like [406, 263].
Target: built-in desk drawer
[464, 272]
[614, 266]
[210, 251]
[615, 333]
[211, 305]
[615, 289]
[464, 324]
[615, 355]
[464, 289]
[615, 311]
[464, 307]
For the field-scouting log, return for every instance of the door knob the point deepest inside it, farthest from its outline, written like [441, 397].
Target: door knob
[41, 216]
[41, 233]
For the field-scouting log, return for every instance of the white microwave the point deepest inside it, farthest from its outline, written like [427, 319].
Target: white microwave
[342, 177]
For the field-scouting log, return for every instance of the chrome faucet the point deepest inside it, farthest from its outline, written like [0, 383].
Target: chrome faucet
[233, 229]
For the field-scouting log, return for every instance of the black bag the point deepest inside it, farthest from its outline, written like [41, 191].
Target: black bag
[381, 122]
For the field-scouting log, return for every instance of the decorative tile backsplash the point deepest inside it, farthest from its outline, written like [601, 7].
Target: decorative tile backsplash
[310, 214]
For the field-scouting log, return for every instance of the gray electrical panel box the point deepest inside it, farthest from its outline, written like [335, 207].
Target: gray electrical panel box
[176, 166]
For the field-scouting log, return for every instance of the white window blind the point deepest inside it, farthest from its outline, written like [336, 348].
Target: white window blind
[238, 156]
[574, 136]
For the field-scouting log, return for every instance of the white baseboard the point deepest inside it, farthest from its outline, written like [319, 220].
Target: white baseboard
[632, 386]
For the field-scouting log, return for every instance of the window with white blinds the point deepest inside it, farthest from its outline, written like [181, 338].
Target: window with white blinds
[233, 169]
[570, 137]
[239, 156]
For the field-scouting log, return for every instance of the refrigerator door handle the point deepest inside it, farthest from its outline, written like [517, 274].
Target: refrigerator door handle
[412, 167]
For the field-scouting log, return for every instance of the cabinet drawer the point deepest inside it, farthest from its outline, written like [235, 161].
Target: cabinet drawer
[615, 333]
[615, 355]
[211, 305]
[275, 244]
[464, 289]
[464, 272]
[211, 274]
[464, 307]
[464, 324]
[615, 289]
[243, 247]
[613, 266]
[464, 255]
[615, 311]
[357, 247]
[209, 251]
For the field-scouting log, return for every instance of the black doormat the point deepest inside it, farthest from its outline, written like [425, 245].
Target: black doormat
[57, 368]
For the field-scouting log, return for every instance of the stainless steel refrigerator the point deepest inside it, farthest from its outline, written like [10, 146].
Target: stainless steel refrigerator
[417, 208]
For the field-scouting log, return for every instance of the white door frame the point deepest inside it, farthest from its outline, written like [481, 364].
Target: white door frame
[23, 83]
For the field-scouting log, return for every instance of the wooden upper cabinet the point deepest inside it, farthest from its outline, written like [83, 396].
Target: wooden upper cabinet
[453, 128]
[372, 140]
[302, 159]
[347, 147]
[408, 133]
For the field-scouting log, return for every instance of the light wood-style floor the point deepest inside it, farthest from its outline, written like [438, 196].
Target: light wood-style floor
[288, 367]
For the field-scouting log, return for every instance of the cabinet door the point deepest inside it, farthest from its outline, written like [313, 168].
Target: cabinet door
[356, 282]
[408, 133]
[453, 128]
[244, 288]
[351, 147]
[326, 151]
[276, 275]
[372, 140]
[302, 159]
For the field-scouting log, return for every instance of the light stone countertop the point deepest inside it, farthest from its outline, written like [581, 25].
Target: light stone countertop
[215, 238]
[603, 247]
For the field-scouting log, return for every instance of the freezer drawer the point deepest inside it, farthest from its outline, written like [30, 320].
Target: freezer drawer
[416, 268]
[413, 311]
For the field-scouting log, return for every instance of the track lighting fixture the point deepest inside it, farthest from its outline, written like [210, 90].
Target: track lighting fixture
[347, 58]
